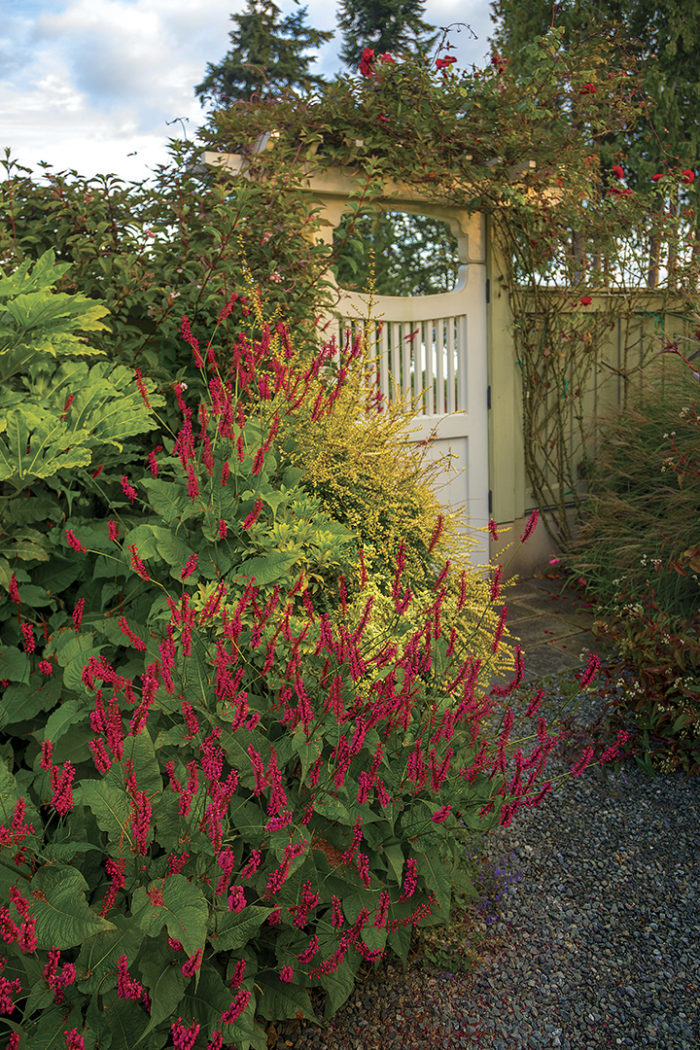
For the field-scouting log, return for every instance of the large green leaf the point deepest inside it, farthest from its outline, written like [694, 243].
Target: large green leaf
[14, 664]
[63, 720]
[63, 917]
[268, 568]
[140, 750]
[38, 446]
[184, 911]
[236, 930]
[22, 703]
[279, 1000]
[99, 953]
[338, 986]
[167, 499]
[127, 1021]
[165, 984]
[109, 805]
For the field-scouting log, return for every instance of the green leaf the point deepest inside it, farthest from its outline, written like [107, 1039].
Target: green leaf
[279, 1000]
[208, 1000]
[109, 805]
[21, 703]
[128, 1022]
[236, 930]
[306, 750]
[166, 987]
[395, 858]
[267, 569]
[63, 917]
[142, 753]
[334, 809]
[14, 665]
[63, 719]
[437, 875]
[184, 910]
[98, 955]
[338, 986]
[166, 498]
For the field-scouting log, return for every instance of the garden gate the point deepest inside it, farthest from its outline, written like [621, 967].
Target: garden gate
[431, 349]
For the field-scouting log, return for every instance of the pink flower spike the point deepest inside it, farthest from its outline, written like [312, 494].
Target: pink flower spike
[591, 670]
[128, 489]
[441, 815]
[184, 1038]
[531, 525]
[286, 974]
[113, 529]
[28, 637]
[74, 1040]
[74, 542]
[189, 567]
[78, 613]
[142, 387]
[254, 514]
[45, 667]
[14, 592]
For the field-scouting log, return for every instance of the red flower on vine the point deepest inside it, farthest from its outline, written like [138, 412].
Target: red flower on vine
[687, 176]
[366, 62]
[585, 300]
[445, 63]
[618, 172]
[588, 89]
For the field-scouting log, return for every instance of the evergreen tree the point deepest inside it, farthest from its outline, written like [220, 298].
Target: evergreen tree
[383, 25]
[268, 56]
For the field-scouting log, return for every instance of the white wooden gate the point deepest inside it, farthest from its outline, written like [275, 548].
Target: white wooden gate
[432, 349]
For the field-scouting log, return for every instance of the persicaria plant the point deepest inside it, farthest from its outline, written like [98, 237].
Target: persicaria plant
[218, 794]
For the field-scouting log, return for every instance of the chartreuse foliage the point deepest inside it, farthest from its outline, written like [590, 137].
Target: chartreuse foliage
[368, 478]
[217, 791]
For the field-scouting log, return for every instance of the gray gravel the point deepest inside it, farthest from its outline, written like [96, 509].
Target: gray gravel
[591, 934]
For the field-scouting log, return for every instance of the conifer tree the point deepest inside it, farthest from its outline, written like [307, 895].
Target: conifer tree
[383, 25]
[269, 55]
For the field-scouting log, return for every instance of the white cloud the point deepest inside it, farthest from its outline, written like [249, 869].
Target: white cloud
[85, 83]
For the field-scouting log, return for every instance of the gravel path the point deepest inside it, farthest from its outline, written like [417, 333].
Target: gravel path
[588, 932]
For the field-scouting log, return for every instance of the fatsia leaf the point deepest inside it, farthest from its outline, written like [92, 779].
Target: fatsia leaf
[39, 447]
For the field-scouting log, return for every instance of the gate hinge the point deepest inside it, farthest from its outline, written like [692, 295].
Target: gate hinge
[490, 502]
[488, 396]
[488, 289]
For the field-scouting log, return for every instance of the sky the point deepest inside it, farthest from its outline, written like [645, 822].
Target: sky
[100, 86]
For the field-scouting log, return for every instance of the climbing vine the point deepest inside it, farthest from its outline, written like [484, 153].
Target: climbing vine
[579, 249]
